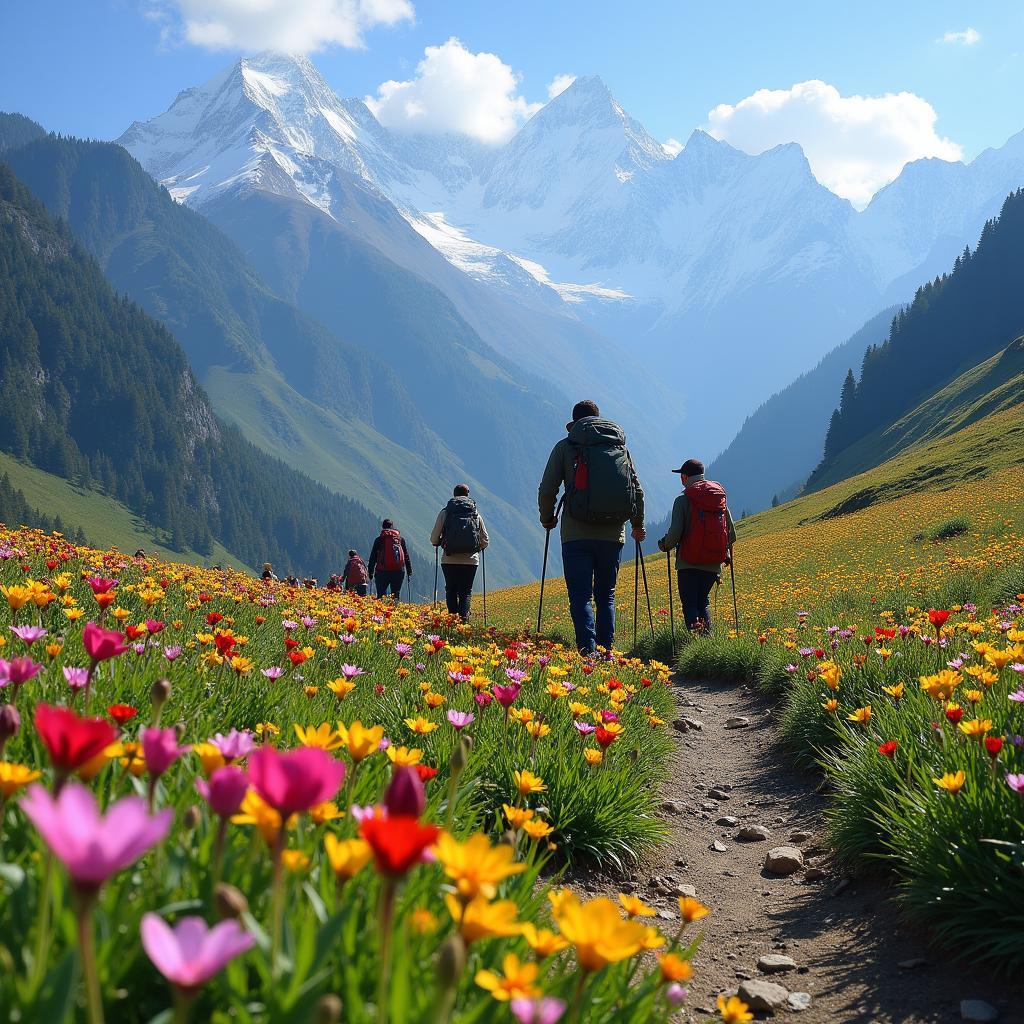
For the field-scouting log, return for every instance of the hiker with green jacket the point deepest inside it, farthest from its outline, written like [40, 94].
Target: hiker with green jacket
[704, 532]
[459, 530]
[601, 494]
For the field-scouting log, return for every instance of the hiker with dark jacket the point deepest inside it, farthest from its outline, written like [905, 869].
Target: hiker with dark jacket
[602, 493]
[703, 529]
[460, 531]
[355, 575]
[389, 561]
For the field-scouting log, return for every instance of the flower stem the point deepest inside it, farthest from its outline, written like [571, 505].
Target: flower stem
[387, 908]
[87, 956]
[43, 935]
[577, 998]
[181, 1004]
[218, 849]
[277, 902]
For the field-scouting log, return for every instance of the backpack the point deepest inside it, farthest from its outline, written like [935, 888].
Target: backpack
[355, 572]
[707, 539]
[600, 480]
[460, 534]
[392, 556]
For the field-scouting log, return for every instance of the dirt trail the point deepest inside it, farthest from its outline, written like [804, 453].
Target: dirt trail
[845, 935]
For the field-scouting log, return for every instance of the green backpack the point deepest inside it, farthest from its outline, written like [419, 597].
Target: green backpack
[601, 482]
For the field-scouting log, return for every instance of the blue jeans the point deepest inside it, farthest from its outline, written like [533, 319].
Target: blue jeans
[591, 568]
[695, 587]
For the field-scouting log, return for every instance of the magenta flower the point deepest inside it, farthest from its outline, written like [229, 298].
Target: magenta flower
[154, 626]
[172, 653]
[403, 650]
[102, 644]
[1017, 696]
[236, 745]
[28, 635]
[225, 790]
[20, 670]
[1015, 782]
[405, 796]
[296, 780]
[460, 719]
[101, 585]
[191, 953]
[675, 994]
[506, 695]
[160, 749]
[483, 698]
[76, 677]
[352, 671]
[546, 1010]
[93, 846]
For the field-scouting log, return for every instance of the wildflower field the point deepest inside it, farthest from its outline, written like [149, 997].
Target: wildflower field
[229, 800]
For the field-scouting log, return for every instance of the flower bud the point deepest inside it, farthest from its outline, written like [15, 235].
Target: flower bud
[229, 901]
[191, 818]
[159, 693]
[460, 756]
[10, 722]
[328, 1010]
[451, 961]
[405, 796]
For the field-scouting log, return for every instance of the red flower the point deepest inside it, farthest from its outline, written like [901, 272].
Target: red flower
[134, 632]
[122, 713]
[605, 738]
[994, 744]
[102, 644]
[289, 643]
[614, 684]
[213, 618]
[297, 657]
[425, 772]
[51, 564]
[511, 653]
[224, 642]
[937, 618]
[954, 714]
[888, 748]
[889, 634]
[69, 740]
[867, 641]
[397, 843]
[819, 653]
[645, 682]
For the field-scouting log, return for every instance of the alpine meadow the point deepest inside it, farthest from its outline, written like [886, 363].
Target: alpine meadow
[511, 514]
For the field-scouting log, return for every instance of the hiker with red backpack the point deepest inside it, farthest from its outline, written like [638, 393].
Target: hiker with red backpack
[601, 494]
[389, 561]
[355, 575]
[703, 529]
[460, 532]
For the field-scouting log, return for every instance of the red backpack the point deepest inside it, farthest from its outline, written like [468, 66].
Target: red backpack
[392, 556]
[707, 540]
[355, 572]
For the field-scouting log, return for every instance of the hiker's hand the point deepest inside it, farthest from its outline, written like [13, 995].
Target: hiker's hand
[728, 560]
[550, 524]
[661, 545]
[639, 533]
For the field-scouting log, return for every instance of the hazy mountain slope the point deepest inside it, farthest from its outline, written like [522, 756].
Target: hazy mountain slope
[16, 130]
[780, 443]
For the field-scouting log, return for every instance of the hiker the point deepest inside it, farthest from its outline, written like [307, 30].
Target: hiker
[355, 576]
[602, 493]
[268, 573]
[389, 561]
[460, 531]
[703, 529]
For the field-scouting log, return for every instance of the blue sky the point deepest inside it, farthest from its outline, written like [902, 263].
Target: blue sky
[90, 68]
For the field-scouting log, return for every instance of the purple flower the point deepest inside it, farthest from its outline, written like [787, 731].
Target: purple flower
[347, 639]
[308, 621]
[460, 719]
[506, 695]
[515, 675]
[584, 728]
[483, 699]
[171, 653]
[287, 625]
[28, 635]
[1017, 696]
[790, 669]
[190, 954]
[609, 716]
[237, 744]
[806, 652]
[403, 650]
[420, 666]
[76, 677]
[352, 671]
[160, 749]
[544, 661]
[273, 672]
[546, 1010]
[139, 648]
[459, 677]
[225, 790]
[675, 994]
[956, 664]
[1015, 782]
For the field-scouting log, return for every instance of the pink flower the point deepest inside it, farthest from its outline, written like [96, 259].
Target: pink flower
[506, 695]
[160, 749]
[584, 728]
[225, 790]
[405, 796]
[154, 626]
[274, 672]
[483, 698]
[1015, 782]
[93, 846]
[191, 953]
[20, 670]
[295, 780]
[460, 719]
[101, 585]
[102, 644]
[675, 994]
[76, 677]
[1017, 696]
[172, 653]
[28, 635]
[352, 671]
[235, 745]
[546, 1010]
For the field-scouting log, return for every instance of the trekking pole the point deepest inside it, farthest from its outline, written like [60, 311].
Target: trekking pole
[671, 613]
[437, 557]
[483, 567]
[647, 593]
[543, 574]
[735, 605]
[636, 590]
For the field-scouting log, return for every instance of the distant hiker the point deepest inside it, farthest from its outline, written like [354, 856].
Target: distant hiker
[460, 531]
[389, 561]
[355, 575]
[602, 494]
[291, 580]
[268, 573]
[703, 529]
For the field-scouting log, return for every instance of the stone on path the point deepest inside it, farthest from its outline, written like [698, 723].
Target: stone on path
[914, 961]
[684, 890]
[687, 724]
[718, 794]
[719, 847]
[753, 834]
[798, 1001]
[673, 807]
[737, 722]
[763, 995]
[814, 874]
[776, 963]
[977, 1010]
[783, 860]
[801, 837]
[727, 821]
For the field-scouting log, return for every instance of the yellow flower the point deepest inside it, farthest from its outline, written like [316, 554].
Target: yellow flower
[831, 705]
[653, 939]
[861, 715]
[479, 919]
[243, 666]
[635, 907]
[543, 941]
[734, 1010]
[255, 811]
[896, 692]
[976, 728]
[88, 771]
[404, 757]
[321, 736]
[422, 921]
[325, 812]
[210, 758]
[951, 782]
[517, 982]
[421, 725]
[294, 860]
[341, 687]
[527, 782]
[73, 614]
[475, 866]
[692, 910]
[14, 776]
[311, 691]
[974, 695]
[537, 729]
[362, 741]
[538, 828]
[941, 685]
[674, 968]
[347, 857]
[601, 936]
[517, 816]
[17, 596]
[433, 700]
[593, 755]
[53, 649]
[999, 659]
[133, 758]
[831, 673]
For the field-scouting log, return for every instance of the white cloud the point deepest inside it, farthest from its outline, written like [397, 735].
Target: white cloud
[455, 90]
[968, 37]
[293, 26]
[673, 147]
[854, 144]
[559, 84]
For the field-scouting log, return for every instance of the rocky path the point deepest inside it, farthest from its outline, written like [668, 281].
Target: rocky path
[813, 944]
